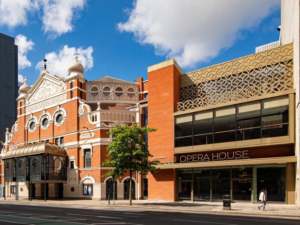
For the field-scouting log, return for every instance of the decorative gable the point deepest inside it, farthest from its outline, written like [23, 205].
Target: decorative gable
[46, 87]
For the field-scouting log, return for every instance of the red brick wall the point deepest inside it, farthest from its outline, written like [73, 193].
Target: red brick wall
[163, 87]
[162, 185]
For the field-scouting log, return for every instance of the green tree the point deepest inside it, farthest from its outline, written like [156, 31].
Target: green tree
[127, 152]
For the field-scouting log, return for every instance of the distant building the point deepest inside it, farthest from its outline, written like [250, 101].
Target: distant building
[8, 83]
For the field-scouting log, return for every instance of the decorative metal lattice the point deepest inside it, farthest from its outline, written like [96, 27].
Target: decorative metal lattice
[255, 75]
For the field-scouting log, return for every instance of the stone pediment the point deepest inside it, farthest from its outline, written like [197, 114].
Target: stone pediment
[45, 87]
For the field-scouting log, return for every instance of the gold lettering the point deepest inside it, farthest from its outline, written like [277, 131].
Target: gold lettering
[245, 154]
[214, 157]
[206, 158]
[183, 158]
[230, 157]
[195, 158]
[223, 153]
[238, 154]
[200, 157]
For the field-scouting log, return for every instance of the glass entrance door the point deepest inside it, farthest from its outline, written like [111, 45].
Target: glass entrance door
[241, 190]
[202, 190]
[185, 190]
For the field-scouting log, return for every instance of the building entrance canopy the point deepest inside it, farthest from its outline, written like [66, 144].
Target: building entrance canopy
[36, 162]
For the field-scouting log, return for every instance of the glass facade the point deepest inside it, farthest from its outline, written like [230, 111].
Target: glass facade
[243, 184]
[254, 120]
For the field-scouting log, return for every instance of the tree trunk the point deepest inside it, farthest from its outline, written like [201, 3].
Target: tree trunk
[130, 186]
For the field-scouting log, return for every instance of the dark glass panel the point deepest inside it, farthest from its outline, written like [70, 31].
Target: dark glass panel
[185, 174]
[184, 190]
[242, 172]
[248, 134]
[224, 123]
[185, 141]
[203, 126]
[241, 190]
[224, 137]
[220, 183]
[273, 179]
[183, 129]
[203, 139]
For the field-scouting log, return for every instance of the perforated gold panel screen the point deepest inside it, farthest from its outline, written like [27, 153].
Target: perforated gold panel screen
[251, 76]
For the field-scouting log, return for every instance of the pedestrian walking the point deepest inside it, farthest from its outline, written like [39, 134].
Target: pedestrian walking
[263, 199]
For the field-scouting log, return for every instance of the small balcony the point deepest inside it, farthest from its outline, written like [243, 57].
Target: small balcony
[267, 46]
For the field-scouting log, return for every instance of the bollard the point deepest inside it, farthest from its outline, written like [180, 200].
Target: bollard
[108, 199]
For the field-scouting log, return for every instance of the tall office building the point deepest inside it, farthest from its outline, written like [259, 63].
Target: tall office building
[8, 83]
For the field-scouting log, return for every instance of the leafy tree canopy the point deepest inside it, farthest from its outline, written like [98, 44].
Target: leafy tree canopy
[127, 151]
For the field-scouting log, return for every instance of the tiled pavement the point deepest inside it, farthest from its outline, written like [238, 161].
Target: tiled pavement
[277, 210]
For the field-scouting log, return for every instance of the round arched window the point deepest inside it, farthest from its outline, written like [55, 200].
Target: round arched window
[59, 118]
[119, 91]
[94, 91]
[106, 91]
[32, 125]
[45, 122]
[130, 92]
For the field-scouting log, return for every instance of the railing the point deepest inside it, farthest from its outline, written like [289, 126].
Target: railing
[117, 116]
[267, 46]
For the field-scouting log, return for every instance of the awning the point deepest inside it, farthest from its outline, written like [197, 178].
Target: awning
[36, 149]
[225, 163]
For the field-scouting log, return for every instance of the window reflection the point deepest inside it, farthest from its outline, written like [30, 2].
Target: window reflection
[254, 120]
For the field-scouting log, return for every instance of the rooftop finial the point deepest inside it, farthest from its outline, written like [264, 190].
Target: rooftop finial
[25, 80]
[45, 66]
[76, 56]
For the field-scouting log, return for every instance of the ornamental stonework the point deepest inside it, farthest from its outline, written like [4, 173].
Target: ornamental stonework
[255, 75]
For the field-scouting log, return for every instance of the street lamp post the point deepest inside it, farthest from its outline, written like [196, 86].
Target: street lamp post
[4, 192]
[113, 177]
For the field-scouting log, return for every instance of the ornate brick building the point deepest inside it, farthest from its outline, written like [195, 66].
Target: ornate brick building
[59, 139]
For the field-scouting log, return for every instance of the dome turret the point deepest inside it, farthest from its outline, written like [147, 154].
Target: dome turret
[24, 88]
[75, 70]
[76, 66]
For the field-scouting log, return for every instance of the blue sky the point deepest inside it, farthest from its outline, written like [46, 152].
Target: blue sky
[121, 38]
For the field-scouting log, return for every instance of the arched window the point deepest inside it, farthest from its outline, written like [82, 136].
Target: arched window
[119, 91]
[130, 92]
[106, 91]
[94, 91]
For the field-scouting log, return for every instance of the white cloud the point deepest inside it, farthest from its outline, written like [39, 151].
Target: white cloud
[23, 47]
[59, 62]
[193, 31]
[58, 15]
[20, 78]
[14, 12]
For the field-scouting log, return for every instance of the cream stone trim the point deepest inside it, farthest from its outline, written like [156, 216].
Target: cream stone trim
[164, 64]
[95, 168]
[110, 177]
[241, 162]
[86, 147]
[87, 177]
[128, 177]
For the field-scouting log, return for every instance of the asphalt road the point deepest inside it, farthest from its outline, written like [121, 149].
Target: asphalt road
[21, 214]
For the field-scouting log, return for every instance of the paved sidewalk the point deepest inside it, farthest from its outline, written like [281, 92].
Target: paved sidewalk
[273, 210]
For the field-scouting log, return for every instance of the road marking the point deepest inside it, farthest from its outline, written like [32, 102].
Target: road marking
[44, 209]
[135, 213]
[191, 221]
[118, 218]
